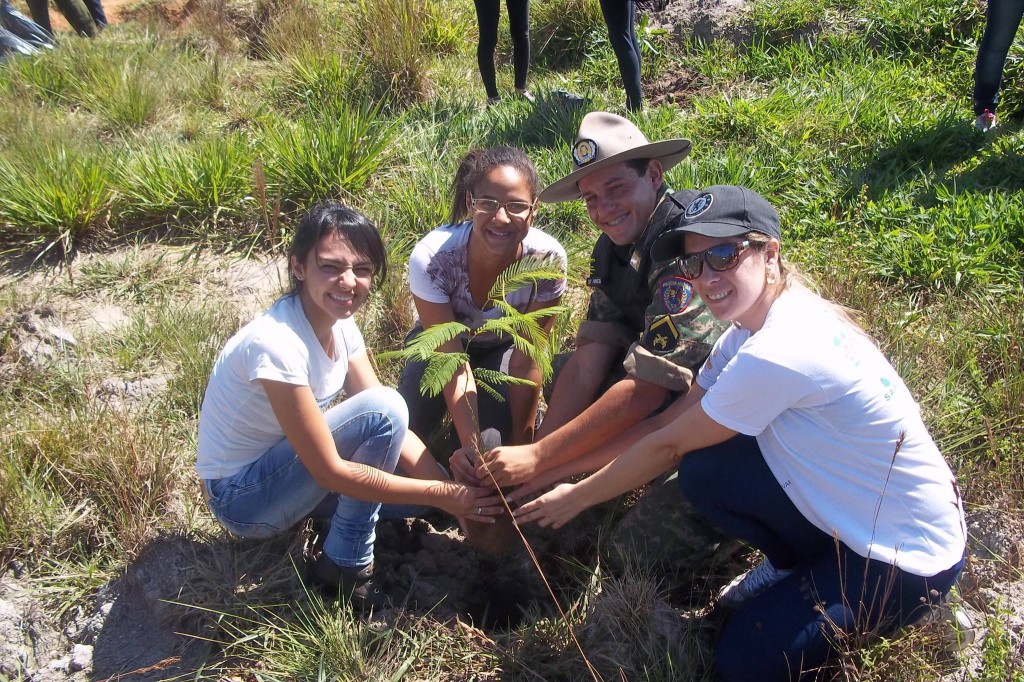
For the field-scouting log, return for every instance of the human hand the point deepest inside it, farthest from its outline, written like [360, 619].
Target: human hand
[555, 508]
[472, 503]
[463, 464]
[539, 484]
[508, 465]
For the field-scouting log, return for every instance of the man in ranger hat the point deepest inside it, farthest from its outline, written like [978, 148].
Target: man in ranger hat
[646, 333]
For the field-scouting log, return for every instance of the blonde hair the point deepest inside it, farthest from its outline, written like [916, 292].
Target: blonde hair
[790, 277]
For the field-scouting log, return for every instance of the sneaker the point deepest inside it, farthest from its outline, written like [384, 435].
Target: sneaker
[986, 122]
[526, 94]
[357, 586]
[491, 101]
[750, 584]
[951, 622]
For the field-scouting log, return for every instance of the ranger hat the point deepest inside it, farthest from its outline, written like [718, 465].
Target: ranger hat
[605, 139]
[719, 211]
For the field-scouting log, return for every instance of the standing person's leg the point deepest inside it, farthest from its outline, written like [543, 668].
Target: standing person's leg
[620, 17]
[40, 11]
[487, 23]
[78, 16]
[1001, 24]
[519, 27]
[277, 491]
[792, 629]
[95, 8]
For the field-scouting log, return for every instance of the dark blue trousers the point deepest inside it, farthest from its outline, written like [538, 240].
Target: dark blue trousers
[620, 18]
[792, 629]
[1001, 24]
[519, 27]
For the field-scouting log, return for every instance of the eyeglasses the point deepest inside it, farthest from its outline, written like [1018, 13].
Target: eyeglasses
[333, 269]
[719, 258]
[520, 209]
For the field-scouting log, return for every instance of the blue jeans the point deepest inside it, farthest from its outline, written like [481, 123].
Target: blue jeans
[791, 629]
[1002, 19]
[276, 491]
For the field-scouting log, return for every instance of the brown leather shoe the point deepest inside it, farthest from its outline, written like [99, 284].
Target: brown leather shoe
[357, 586]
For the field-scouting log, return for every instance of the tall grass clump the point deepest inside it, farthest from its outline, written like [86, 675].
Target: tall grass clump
[191, 181]
[562, 31]
[447, 27]
[122, 84]
[54, 199]
[38, 77]
[318, 157]
[324, 81]
[126, 98]
[79, 478]
[393, 42]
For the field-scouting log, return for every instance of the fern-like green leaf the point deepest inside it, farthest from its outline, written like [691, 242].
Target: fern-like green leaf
[427, 342]
[441, 367]
[523, 272]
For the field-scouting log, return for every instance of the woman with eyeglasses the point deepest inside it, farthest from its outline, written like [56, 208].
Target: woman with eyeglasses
[451, 272]
[275, 446]
[800, 439]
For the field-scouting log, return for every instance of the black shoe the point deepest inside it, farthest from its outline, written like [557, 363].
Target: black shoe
[357, 586]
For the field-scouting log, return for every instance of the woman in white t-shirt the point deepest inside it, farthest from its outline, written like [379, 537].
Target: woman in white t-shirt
[274, 447]
[451, 272]
[798, 438]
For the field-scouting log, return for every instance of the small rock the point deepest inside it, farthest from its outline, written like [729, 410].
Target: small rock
[64, 338]
[60, 665]
[81, 657]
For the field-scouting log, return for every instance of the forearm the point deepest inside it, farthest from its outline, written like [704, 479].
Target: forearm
[575, 390]
[624, 405]
[460, 397]
[649, 457]
[367, 483]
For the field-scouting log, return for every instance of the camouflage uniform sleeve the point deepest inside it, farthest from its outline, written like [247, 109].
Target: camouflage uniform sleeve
[604, 324]
[679, 332]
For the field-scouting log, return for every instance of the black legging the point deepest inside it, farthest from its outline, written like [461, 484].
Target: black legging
[519, 26]
[620, 17]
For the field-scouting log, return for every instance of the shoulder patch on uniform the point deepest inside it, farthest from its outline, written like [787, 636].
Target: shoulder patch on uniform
[698, 206]
[675, 293]
[662, 337]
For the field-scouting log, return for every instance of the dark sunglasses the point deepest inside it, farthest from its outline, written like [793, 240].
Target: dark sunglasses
[719, 258]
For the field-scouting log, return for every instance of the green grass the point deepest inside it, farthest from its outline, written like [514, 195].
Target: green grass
[853, 116]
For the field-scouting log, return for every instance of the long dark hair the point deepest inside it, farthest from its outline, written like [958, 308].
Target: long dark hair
[478, 163]
[334, 217]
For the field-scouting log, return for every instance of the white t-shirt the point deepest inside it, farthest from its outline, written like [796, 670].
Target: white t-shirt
[236, 424]
[828, 410]
[439, 272]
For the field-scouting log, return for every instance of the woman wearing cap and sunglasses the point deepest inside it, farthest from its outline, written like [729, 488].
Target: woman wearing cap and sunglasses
[800, 439]
[451, 272]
